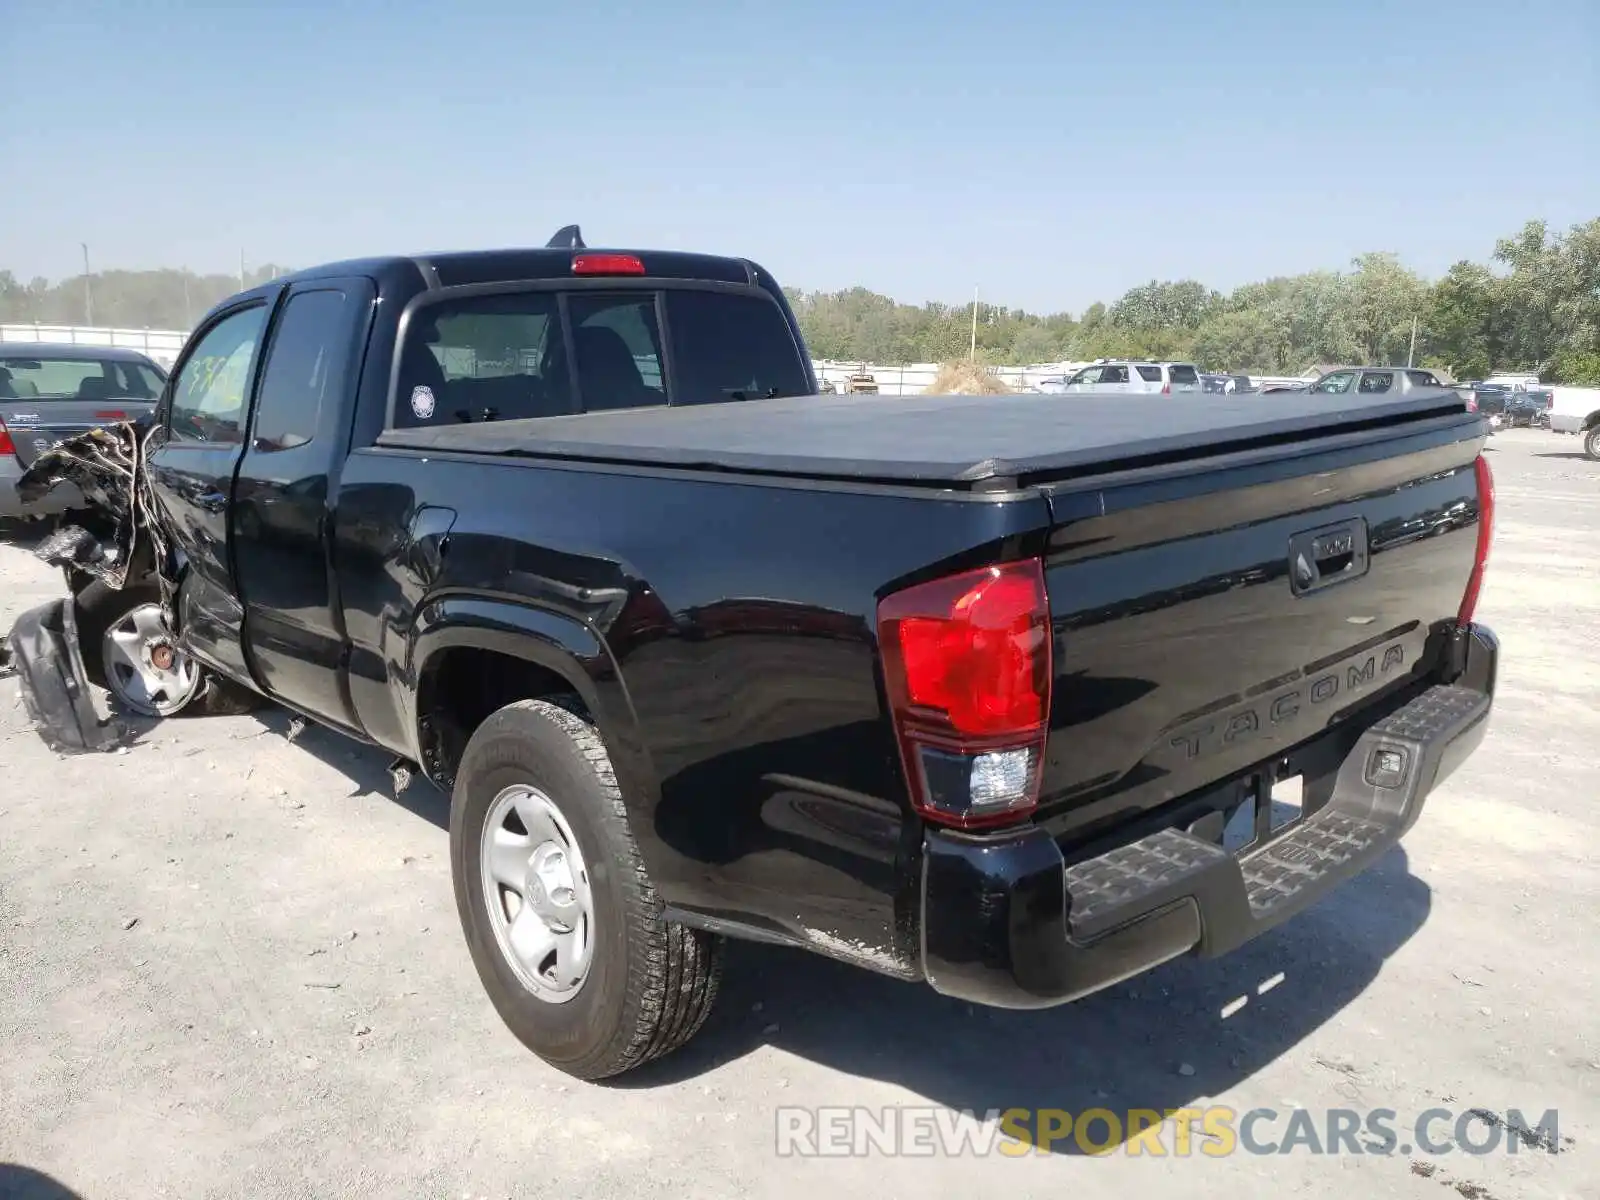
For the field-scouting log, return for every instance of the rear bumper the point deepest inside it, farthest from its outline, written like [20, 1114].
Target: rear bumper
[1006, 922]
[59, 499]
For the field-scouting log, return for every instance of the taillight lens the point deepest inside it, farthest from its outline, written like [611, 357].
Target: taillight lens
[1469, 598]
[7, 446]
[966, 663]
[1166, 389]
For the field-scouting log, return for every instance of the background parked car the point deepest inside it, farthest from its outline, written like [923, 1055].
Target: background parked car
[1132, 375]
[1375, 381]
[50, 392]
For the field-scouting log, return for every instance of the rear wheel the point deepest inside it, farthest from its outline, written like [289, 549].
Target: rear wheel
[128, 649]
[1591, 443]
[563, 924]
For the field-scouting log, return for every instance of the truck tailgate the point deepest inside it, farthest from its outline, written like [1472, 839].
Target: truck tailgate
[1196, 637]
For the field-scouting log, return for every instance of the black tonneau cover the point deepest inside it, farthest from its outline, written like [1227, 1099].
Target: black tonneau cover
[931, 439]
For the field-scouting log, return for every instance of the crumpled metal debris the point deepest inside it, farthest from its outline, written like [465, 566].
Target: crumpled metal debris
[108, 467]
[43, 649]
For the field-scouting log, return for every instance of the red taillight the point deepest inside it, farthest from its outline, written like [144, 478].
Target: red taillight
[966, 664]
[7, 446]
[607, 264]
[1469, 598]
[1166, 389]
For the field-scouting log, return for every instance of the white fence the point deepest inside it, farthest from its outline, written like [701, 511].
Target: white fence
[160, 344]
[908, 379]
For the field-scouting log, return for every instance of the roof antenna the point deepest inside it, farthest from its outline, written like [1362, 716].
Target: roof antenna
[567, 238]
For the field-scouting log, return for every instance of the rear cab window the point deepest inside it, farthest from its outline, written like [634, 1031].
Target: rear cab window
[1183, 374]
[727, 348]
[551, 352]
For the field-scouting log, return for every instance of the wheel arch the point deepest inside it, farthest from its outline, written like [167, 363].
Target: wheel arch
[472, 655]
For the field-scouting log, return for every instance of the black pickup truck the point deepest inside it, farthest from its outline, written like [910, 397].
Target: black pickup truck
[960, 689]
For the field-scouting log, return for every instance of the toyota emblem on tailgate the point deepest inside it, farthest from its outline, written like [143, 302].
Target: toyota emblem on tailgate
[41, 445]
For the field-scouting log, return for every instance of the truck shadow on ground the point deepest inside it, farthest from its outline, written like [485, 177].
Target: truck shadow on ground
[1560, 454]
[1158, 1041]
[24, 1183]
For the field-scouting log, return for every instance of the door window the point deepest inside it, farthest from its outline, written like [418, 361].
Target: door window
[1375, 383]
[307, 365]
[1117, 374]
[210, 395]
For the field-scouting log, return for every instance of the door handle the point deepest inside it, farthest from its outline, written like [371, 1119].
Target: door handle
[1332, 554]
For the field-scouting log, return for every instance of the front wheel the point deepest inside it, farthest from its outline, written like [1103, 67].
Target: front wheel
[1591, 444]
[563, 924]
[128, 650]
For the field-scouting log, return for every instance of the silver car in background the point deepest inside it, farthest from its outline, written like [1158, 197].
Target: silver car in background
[49, 392]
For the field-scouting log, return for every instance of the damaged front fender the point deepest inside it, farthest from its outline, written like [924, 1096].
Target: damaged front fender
[42, 651]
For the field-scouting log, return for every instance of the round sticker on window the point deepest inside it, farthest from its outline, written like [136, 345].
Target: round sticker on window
[422, 402]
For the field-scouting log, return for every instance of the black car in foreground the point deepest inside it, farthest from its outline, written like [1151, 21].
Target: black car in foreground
[960, 689]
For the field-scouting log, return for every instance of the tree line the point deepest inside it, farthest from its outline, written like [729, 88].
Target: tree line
[1534, 305]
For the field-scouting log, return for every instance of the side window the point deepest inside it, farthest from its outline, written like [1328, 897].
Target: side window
[1336, 384]
[1118, 374]
[307, 362]
[617, 349]
[1085, 377]
[209, 397]
[485, 358]
[1376, 382]
[730, 347]
[1424, 379]
[1149, 373]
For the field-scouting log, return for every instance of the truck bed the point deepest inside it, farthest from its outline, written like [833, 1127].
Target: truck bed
[945, 441]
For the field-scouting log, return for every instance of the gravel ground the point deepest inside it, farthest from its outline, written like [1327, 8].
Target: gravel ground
[230, 965]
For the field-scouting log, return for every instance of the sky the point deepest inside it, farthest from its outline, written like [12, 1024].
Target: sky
[1049, 155]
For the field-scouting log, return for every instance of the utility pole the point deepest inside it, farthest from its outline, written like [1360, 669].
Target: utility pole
[188, 314]
[242, 284]
[974, 350]
[88, 291]
[1412, 353]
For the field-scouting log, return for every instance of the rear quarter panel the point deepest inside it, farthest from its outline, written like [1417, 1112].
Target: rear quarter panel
[739, 689]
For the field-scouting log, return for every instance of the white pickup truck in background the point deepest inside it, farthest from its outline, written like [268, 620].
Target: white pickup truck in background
[1577, 410]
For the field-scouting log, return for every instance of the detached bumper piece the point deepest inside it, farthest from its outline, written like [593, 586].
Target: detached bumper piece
[42, 650]
[1006, 922]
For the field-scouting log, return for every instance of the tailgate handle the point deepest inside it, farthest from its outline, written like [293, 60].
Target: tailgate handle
[1332, 554]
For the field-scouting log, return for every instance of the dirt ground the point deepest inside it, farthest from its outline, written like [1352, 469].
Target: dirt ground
[230, 966]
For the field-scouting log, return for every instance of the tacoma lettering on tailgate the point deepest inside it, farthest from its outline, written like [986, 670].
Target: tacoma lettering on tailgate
[1264, 714]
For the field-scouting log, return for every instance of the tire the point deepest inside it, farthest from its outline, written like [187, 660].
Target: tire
[1591, 443]
[650, 984]
[101, 608]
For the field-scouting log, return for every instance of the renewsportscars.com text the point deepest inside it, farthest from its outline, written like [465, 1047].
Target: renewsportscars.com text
[1214, 1131]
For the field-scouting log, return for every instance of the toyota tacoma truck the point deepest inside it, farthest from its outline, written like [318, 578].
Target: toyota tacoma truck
[965, 689]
